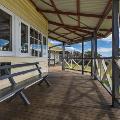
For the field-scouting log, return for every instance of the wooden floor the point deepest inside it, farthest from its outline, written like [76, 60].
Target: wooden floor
[72, 96]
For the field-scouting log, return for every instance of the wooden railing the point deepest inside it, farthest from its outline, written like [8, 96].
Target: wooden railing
[103, 69]
[104, 73]
[76, 64]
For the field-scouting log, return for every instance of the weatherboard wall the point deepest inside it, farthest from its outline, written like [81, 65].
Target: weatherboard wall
[27, 12]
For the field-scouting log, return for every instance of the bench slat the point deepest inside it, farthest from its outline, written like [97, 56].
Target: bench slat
[18, 73]
[17, 65]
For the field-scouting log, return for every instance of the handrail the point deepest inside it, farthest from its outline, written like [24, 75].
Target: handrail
[17, 65]
[18, 73]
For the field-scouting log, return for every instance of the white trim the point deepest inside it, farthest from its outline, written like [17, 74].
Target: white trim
[46, 51]
[9, 53]
[37, 39]
[19, 34]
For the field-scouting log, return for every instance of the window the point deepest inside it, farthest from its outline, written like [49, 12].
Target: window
[24, 38]
[5, 31]
[35, 43]
[44, 47]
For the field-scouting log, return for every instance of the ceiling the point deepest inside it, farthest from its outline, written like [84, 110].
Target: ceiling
[74, 20]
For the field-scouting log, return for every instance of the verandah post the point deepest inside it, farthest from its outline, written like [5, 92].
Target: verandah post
[115, 51]
[94, 55]
[63, 56]
[82, 57]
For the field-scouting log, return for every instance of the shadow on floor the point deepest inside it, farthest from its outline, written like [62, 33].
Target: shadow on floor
[71, 97]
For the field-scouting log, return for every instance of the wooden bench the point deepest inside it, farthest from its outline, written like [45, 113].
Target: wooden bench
[17, 88]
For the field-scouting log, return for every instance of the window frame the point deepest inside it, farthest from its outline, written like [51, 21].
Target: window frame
[46, 55]
[9, 53]
[18, 44]
[41, 40]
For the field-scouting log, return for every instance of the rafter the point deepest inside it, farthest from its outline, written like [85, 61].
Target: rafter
[61, 35]
[65, 34]
[56, 38]
[106, 11]
[108, 32]
[54, 6]
[46, 3]
[74, 14]
[78, 11]
[74, 32]
[55, 29]
[74, 27]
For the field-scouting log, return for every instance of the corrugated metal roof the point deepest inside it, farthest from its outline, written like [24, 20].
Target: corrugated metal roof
[76, 20]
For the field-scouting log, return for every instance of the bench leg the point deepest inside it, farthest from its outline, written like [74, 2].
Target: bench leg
[24, 98]
[45, 80]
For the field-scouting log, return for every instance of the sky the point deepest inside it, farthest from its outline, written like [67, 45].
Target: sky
[104, 46]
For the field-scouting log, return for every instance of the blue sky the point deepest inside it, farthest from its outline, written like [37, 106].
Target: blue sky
[104, 46]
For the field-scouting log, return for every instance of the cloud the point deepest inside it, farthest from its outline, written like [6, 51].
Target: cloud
[104, 50]
[71, 49]
[54, 42]
[108, 39]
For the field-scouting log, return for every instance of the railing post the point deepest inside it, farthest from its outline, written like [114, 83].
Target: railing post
[63, 56]
[115, 51]
[54, 58]
[94, 54]
[49, 57]
[82, 57]
[91, 57]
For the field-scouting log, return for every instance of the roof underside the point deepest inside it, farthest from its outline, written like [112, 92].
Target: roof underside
[74, 20]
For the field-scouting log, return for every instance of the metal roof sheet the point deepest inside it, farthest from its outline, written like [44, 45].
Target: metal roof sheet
[76, 20]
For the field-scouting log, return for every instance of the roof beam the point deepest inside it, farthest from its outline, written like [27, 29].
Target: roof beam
[74, 14]
[78, 11]
[64, 34]
[108, 32]
[46, 3]
[106, 11]
[73, 27]
[54, 6]
[56, 39]
[55, 29]
[80, 35]
[60, 35]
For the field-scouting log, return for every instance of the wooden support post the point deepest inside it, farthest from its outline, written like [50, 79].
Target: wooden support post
[54, 58]
[63, 56]
[94, 55]
[115, 52]
[49, 57]
[82, 57]
[67, 56]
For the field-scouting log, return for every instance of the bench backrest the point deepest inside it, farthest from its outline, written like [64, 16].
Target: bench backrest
[11, 75]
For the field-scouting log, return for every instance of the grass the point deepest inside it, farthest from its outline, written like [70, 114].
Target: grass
[78, 68]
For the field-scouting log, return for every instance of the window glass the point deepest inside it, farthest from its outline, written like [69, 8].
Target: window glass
[32, 46]
[35, 43]
[32, 32]
[40, 45]
[44, 46]
[24, 38]
[5, 31]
